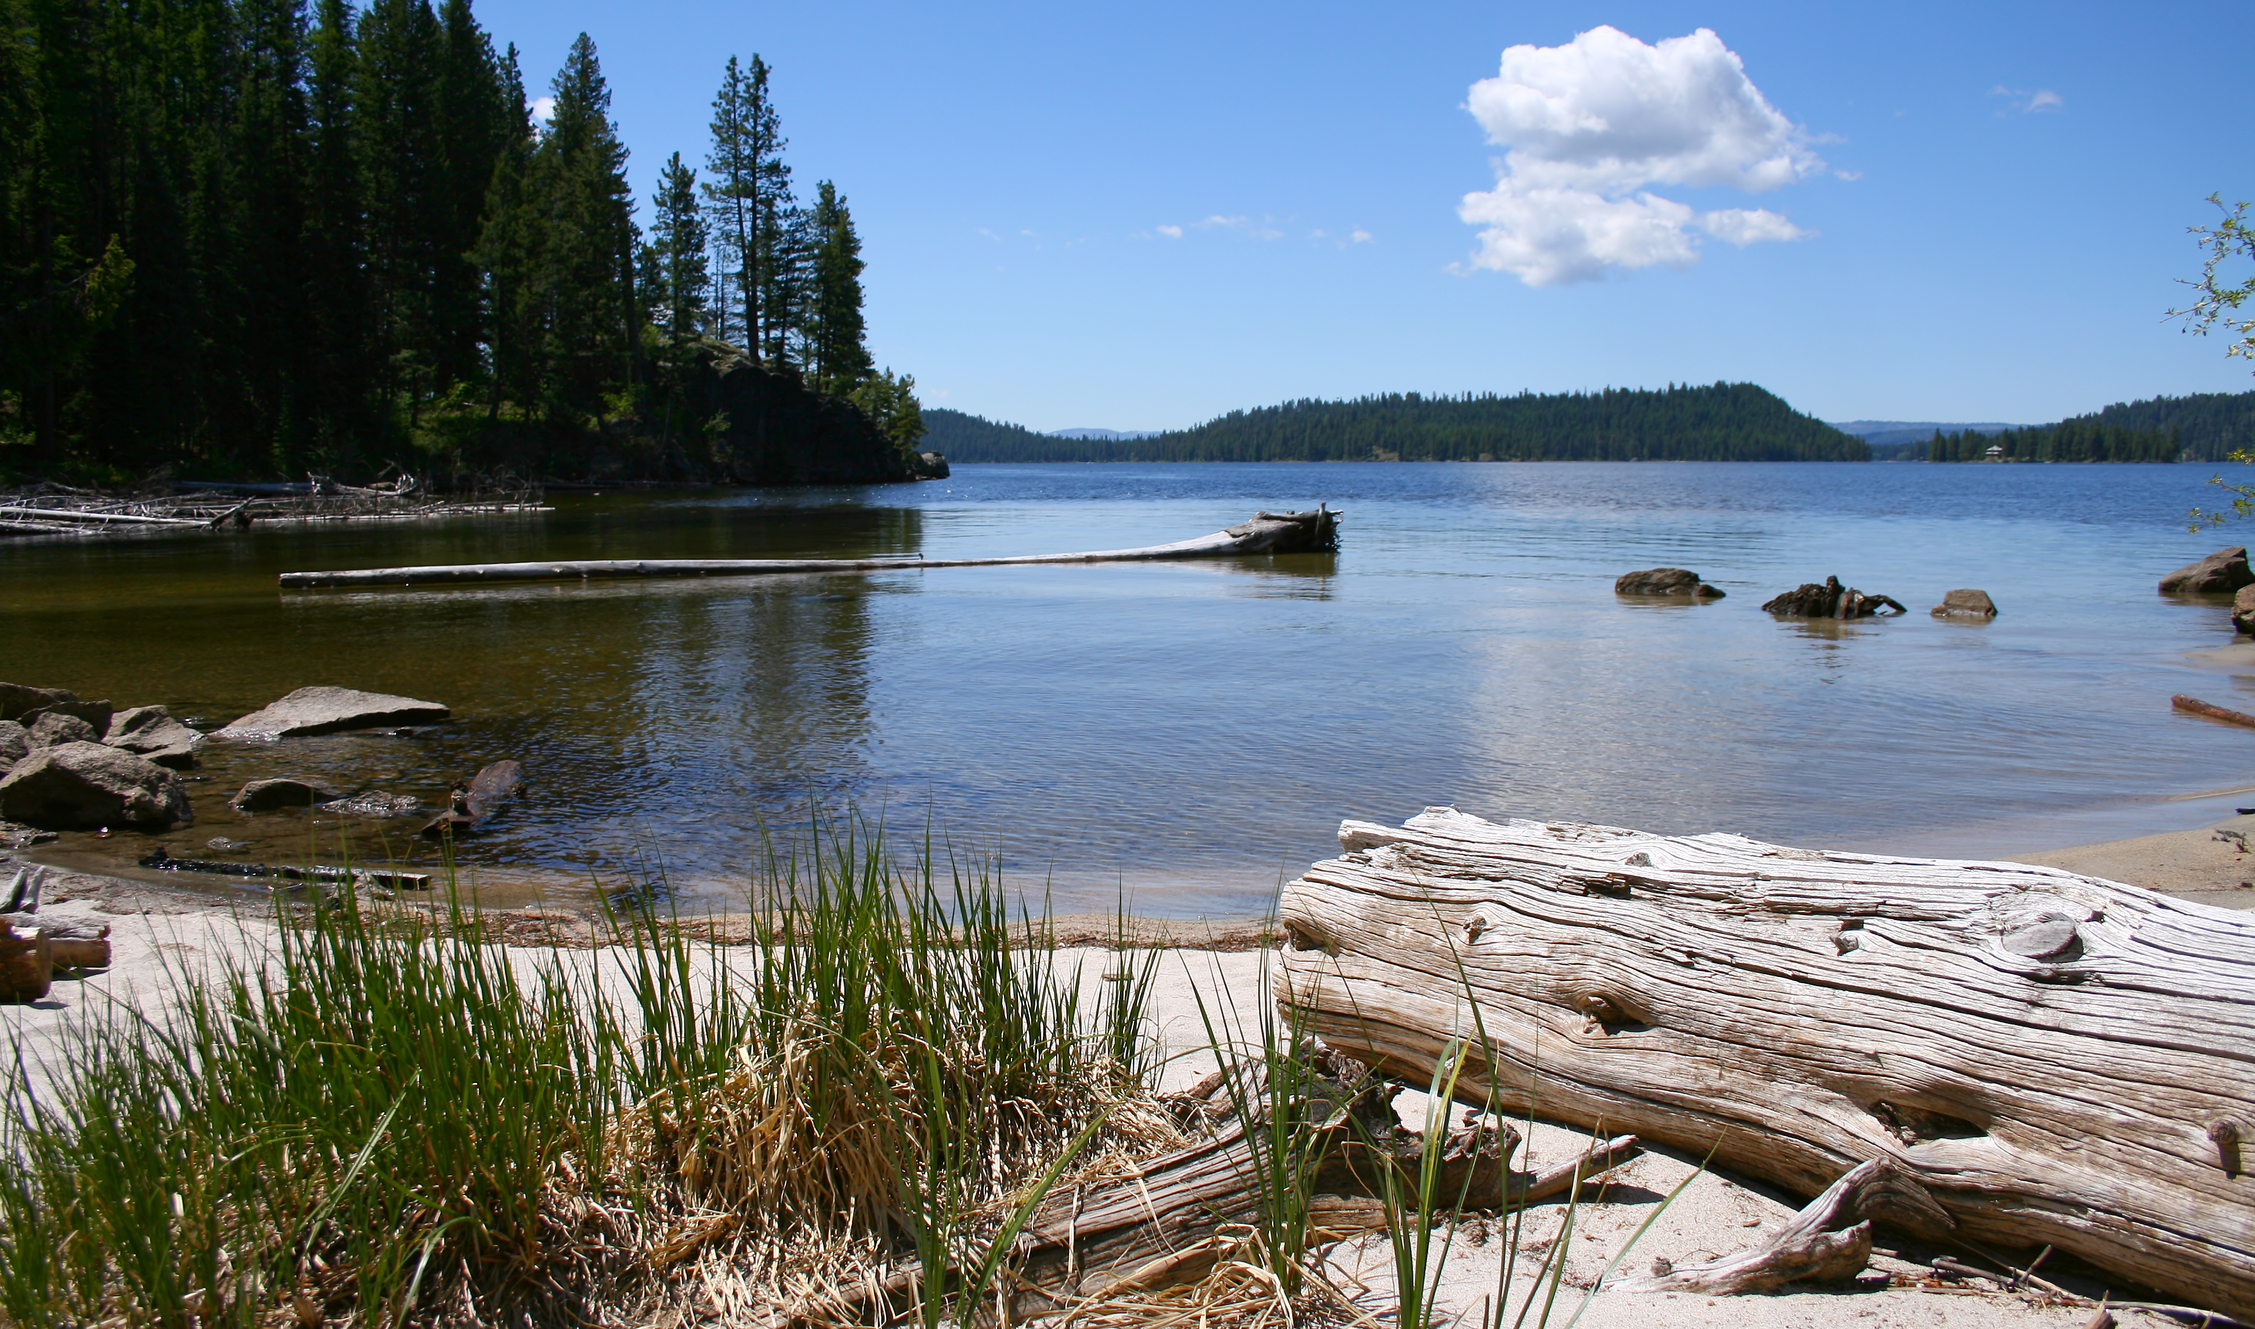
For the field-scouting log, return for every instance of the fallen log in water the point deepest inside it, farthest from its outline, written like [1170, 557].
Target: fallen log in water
[1266, 533]
[470, 804]
[2195, 706]
[2056, 1059]
[405, 881]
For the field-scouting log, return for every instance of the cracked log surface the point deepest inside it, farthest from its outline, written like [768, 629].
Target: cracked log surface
[2055, 1058]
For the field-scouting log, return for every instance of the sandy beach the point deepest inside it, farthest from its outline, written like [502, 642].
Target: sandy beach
[161, 939]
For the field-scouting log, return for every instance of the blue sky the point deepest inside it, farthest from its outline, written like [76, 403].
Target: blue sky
[1990, 200]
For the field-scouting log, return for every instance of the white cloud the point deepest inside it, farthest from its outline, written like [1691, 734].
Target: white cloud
[1591, 125]
[1171, 232]
[544, 109]
[1363, 237]
[2042, 99]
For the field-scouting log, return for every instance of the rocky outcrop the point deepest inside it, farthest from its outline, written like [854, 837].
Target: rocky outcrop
[1665, 581]
[282, 792]
[83, 786]
[151, 732]
[324, 710]
[1966, 604]
[1830, 600]
[2221, 573]
[931, 466]
[16, 698]
[48, 729]
[767, 427]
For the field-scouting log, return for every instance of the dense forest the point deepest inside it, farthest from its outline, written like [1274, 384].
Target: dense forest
[2078, 440]
[1724, 422]
[239, 238]
[2211, 425]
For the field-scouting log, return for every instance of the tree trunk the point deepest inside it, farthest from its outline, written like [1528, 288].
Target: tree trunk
[2055, 1058]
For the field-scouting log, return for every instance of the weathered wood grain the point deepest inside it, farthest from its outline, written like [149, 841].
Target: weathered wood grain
[2055, 1058]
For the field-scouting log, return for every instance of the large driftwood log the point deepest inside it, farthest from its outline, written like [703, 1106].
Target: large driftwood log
[2057, 1059]
[1266, 533]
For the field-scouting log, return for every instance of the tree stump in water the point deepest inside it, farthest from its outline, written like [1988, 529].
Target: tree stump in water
[2055, 1058]
[1831, 600]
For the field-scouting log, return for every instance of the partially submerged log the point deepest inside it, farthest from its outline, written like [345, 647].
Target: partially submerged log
[2195, 706]
[468, 805]
[1831, 600]
[1266, 533]
[405, 881]
[2055, 1058]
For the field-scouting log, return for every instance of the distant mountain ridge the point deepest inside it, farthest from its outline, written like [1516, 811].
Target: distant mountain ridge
[1105, 435]
[1885, 434]
[1717, 422]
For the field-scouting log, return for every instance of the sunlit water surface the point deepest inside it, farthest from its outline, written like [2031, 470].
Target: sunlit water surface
[1192, 733]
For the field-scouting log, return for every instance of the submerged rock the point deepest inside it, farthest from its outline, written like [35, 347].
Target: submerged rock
[2220, 573]
[1966, 604]
[1665, 581]
[322, 710]
[151, 732]
[375, 803]
[267, 795]
[81, 786]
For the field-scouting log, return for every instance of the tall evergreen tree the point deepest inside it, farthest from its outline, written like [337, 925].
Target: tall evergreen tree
[583, 278]
[402, 198]
[475, 122]
[335, 332]
[837, 352]
[749, 192]
[680, 282]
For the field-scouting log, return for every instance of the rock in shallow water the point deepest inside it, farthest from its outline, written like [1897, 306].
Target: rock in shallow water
[81, 786]
[1966, 604]
[51, 730]
[151, 732]
[267, 795]
[16, 698]
[1665, 581]
[2220, 573]
[322, 710]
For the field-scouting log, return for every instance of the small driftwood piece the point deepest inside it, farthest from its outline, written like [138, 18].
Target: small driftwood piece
[1266, 533]
[1828, 1241]
[2057, 1059]
[470, 804]
[1831, 600]
[27, 965]
[2195, 706]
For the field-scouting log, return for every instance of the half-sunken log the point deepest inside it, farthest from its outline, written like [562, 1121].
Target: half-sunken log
[1266, 533]
[2055, 1058]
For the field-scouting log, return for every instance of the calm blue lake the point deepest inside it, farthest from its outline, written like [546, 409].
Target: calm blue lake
[1193, 733]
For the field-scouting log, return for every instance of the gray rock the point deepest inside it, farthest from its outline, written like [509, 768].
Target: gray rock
[1966, 604]
[15, 742]
[50, 730]
[376, 803]
[16, 698]
[328, 710]
[2220, 573]
[80, 786]
[1665, 581]
[150, 731]
[267, 795]
[2243, 611]
[96, 714]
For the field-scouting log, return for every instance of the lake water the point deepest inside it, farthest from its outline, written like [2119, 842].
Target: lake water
[1192, 733]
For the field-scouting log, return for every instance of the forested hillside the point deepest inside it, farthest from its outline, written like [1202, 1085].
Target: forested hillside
[2211, 425]
[1724, 422]
[2078, 440]
[240, 238]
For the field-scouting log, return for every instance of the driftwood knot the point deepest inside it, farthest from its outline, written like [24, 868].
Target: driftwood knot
[2043, 939]
[2226, 1134]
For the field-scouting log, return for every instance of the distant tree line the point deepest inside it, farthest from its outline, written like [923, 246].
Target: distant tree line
[237, 236]
[2210, 425]
[1721, 422]
[2081, 440]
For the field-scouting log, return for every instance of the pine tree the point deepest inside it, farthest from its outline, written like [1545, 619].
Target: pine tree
[678, 281]
[506, 256]
[583, 279]
[476, 122]
[340, 390]
[749, 195]
[837, 351]
[402, 198]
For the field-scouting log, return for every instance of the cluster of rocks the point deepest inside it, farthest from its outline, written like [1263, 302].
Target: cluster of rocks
[84, 765]
[1828, 599]
[2224, 572]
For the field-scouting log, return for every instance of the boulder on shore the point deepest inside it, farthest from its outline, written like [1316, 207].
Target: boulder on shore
[267, 795]
[1665, 581]
[151, 732]
[1830, 600]
[2243, 611]
[1966, 604]
[16, 698]
[53, 730]
[322, 710]
[81, 786]
[95, 713]
[2220, 573]
[15, 742]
